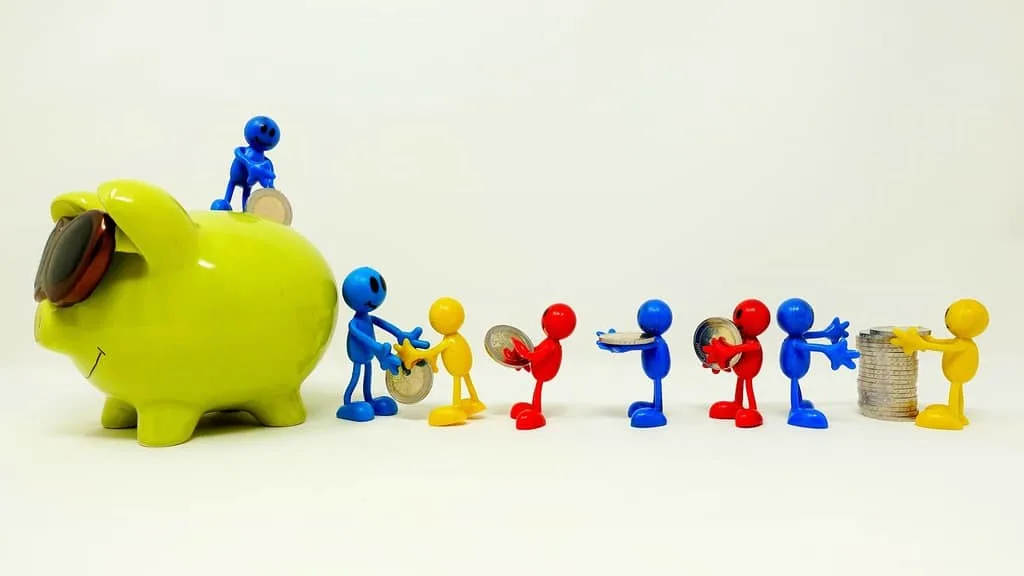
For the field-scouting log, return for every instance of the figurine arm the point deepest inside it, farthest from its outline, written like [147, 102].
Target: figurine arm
[940, 344]
[240, 154]
[524, 352]
[363, 337]
[386, 326]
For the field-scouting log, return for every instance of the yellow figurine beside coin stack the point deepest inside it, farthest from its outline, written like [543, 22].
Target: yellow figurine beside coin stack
[446, 317]
[965, 319]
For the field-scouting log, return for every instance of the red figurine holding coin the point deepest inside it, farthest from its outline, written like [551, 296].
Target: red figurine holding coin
[558, 323]
[743, 357]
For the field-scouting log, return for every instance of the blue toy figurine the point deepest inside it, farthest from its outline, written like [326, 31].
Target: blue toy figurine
[654, 318]
[796, 317]
[251, 164]
[363, 291]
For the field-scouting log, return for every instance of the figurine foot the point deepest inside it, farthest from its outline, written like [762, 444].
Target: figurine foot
[118, 415]
[221, 205]
[281, 411]
[806, 405]
[807, 418]
[638, 406]
[472, 407]
[939, 417]
[384, 406]
[747, 418]
[356, 412]
[446, 416]
[530, 420]
[167, 425]
[648, 418]
[518, 408]
[724, 410]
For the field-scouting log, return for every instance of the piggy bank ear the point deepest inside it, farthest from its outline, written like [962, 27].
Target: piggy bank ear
[151, 220]
[74, 203]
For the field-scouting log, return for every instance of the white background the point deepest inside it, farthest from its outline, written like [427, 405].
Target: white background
[863, 155]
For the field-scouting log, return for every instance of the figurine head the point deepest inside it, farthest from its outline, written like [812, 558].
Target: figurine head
[558, 321]
[654, 317]
[966, 318]
[446, 316]
[751, 317]
[262, 133]
[795, 316]
[364, 289]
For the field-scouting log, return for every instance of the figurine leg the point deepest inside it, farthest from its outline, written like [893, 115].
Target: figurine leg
[652, 417]
[471, 405]
[726, 410]
[162, 425]
[449, 415]
[749, 417]
[245, 196]
[382, 405]
[118, 415]
[520, 407]
[530, 416]
[355, 411]
[799, 398]
[956, 401]
[942, 417]
[798, 414]
[280, 411]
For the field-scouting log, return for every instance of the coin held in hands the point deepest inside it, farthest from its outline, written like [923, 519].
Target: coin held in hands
[713, 329]
[410, 386]
[498, 338]
[625, 338]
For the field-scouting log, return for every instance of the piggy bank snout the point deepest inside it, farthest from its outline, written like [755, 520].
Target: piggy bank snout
[47, 331]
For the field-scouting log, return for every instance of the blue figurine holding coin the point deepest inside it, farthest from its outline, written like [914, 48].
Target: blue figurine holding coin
[251, 165]
[364, 290]
[654, 319]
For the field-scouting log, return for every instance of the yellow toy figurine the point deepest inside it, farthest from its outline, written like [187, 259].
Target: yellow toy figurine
[447, 317]
[965, 319]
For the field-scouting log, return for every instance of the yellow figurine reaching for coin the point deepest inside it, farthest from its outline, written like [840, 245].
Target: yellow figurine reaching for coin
[965, 319]
[446, 317]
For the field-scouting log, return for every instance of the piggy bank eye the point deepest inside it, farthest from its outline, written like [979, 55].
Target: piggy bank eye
[374, 285]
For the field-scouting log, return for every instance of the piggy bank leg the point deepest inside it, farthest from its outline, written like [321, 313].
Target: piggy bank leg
[118, 415]
[279, 411]
[167, 424]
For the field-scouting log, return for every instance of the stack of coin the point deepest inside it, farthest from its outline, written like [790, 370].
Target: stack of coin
[886, 376]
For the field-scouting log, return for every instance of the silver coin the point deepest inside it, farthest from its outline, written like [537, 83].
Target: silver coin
[270, 204]
[713, 329]
[888, 330]
[625, 338]
[870, 389]
[883, 417]
[499, 337]
[886, 402]
[410, 386]
[898, 410]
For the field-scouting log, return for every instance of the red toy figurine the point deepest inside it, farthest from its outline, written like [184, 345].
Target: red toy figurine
[752, 318]
[558, 322]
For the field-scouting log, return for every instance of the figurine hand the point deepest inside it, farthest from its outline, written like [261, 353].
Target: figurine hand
[836, 330]
[382, 351]
[718, 352]
[908, 339]
[713, 370]
[390, 362]
[840, 355]
[513, 357]
[610, 331]
[413, 336]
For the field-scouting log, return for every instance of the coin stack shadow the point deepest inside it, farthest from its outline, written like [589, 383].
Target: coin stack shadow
[886, 377]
